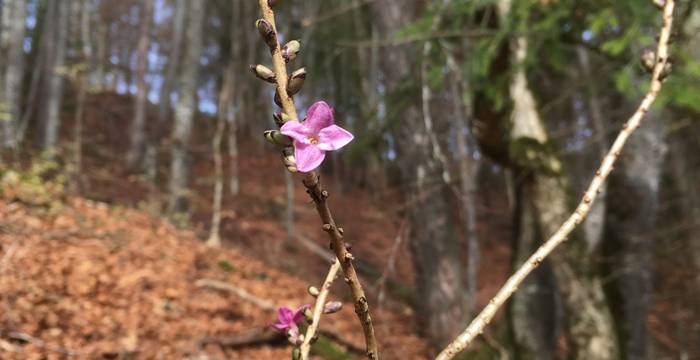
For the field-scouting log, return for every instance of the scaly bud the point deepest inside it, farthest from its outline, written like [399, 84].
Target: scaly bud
[264, 73]
[308, 315]
[278, 99]
[313, 291]
[277, 138]
[290, 50]
[332, 307]
[267, 32]
[280, 118]
[288, 159]
[296, 353]
[648, 60]
[296, 81]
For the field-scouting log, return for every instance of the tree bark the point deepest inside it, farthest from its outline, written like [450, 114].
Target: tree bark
[632, 212]
[16, 11]
[441, 306]
[185, 110]
[588, 319]
[55, 73]
[138, 132]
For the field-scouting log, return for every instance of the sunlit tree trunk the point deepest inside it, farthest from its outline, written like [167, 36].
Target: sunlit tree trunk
[138, 132]
[185, 109]
[16, 11]
[166, 88]
[588, 320]
[55, 73]
[83, 72]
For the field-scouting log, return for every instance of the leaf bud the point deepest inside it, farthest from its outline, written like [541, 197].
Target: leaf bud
[267, 32]
[332, 307]
[296, 81]
[277, 138]
[648, 60]
[288, 159]
[290, 50]
[264, 73]
[313, 291]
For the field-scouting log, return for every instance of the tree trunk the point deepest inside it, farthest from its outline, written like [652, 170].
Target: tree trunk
[468, 173]
[632, 212]
[185, 110]
[52, 120]
[12, 94]
[441, 306]
[166, 88]
[589, 322]
[138, 133]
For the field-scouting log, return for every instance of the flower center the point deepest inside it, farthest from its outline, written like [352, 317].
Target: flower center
[313, 139]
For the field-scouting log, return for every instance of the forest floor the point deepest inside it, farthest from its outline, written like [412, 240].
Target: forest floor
[103, 275]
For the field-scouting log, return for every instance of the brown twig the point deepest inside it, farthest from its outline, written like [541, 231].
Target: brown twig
[220, 285]
[319, 196]
[318, 309]
[658, 74]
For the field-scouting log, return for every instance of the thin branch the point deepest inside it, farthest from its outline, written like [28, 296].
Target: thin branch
[220, 285]
[319, 195]
[659, 72]
[318, 309]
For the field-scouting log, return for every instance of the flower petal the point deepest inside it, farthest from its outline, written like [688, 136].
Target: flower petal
[319, 116]
[285, 315]
[280, 326]
[299, 314]
[333, 138]
[296, 131]
[308, 156]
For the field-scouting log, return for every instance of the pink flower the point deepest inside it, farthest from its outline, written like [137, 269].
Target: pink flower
[287, 319]
[316, 135]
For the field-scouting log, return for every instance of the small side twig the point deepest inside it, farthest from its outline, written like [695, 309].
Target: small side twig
[318, 309]
[220, 285]
[659, 72]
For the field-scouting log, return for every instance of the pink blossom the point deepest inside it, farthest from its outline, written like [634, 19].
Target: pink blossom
[316, 135]
[287, 319]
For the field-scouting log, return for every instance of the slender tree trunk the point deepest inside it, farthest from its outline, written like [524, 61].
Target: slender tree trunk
[166, 89]
[632, 212]
[138, 132]
[12, 95]
[441, 307]
[83, 83]
[588, 321]
[185, 110]
[214, 237]
[52, 122]
[595, 221]
[468, 172]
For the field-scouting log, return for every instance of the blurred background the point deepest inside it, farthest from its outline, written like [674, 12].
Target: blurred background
[140, 199]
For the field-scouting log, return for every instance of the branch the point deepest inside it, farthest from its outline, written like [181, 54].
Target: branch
[658, 74]
[318, 309]
[319, 195]
[335, 233]
[220, 285]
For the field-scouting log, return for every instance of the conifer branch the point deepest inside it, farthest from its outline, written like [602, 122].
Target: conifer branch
[659, 72]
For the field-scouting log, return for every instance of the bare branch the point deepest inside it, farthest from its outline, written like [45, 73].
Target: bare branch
[319, 195]
[318, 309]
[659, 73]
